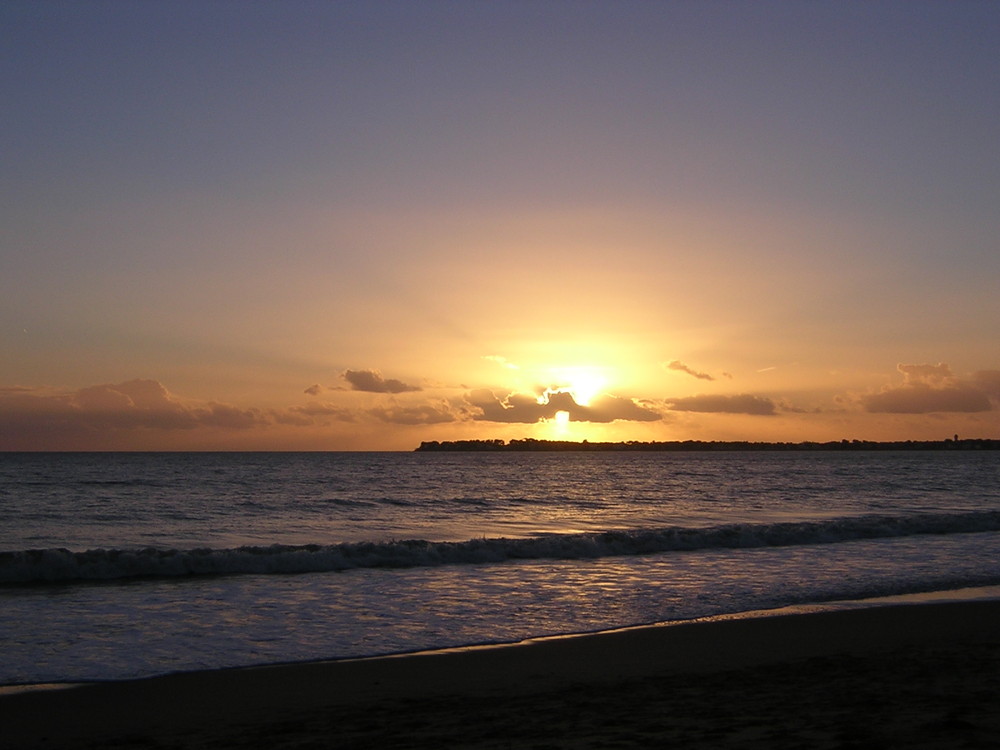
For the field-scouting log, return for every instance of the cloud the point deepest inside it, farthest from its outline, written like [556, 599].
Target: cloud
[744, 403]
[609, 408]
[929, 374]
[40, 415]
[681, 367]
[924, 399]
[988, 381]
[368, 381]
[502, 361]
[373, 382]
[934, 388]
[428, 413]
[526, 408]
[323, 410]
[7, 389]
[516, 407]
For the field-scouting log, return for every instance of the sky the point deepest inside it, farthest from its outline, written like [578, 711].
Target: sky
[245, 225]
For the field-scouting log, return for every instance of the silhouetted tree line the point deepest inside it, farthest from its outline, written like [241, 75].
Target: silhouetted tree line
[531, 444]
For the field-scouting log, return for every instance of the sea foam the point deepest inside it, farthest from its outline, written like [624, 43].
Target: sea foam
[63, 565]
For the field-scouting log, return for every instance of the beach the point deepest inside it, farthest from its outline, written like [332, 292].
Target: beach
[888, 675]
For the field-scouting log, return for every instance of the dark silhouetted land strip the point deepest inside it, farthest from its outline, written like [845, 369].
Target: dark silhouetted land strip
[530, 444]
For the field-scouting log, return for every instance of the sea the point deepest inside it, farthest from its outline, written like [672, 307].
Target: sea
[128, 565]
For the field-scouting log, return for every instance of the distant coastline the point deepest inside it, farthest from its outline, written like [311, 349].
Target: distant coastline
[531, 444]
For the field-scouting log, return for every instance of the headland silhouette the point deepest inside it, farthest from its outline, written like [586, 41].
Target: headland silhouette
[531, 444]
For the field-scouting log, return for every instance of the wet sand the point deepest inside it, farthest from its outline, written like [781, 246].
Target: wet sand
[915, 676]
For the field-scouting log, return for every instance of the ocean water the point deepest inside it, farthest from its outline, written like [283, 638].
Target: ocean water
[128, 565]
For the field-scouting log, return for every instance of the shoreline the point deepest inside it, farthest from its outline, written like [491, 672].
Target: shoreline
[974, 593]
[947, 635]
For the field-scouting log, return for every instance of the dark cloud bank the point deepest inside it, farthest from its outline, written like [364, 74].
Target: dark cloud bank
[34, 418]
[525, 408]
[934, 388]
[30, 415]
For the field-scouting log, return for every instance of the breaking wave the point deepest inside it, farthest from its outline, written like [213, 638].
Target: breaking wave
[63, 565]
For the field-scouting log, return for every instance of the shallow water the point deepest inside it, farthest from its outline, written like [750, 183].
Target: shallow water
[797, 528]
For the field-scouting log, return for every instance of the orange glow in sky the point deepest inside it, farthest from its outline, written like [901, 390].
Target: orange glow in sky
[359, 226]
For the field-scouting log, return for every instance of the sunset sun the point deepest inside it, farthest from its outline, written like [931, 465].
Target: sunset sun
[583, 383]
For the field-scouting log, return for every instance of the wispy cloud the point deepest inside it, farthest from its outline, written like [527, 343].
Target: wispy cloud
[681, 367]
[315, 411]
[744, 403]
[502, 361]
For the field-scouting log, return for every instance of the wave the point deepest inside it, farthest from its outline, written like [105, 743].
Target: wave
[63, 565]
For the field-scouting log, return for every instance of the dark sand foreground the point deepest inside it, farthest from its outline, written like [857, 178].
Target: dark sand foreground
[917, 676]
